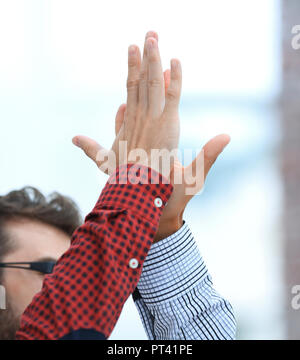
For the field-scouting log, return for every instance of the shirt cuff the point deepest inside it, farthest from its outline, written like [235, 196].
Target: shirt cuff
[132, 186]
[173, 267]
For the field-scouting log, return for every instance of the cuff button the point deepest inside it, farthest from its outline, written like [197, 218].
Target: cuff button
[158, 202]
[133, 263]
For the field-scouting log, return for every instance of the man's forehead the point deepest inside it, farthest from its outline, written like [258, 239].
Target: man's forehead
[35, 239]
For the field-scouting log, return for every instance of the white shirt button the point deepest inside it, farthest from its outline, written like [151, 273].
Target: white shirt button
[133, 263]
[158, 202]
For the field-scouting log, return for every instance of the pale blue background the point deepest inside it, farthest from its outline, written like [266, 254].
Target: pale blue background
[63, 72]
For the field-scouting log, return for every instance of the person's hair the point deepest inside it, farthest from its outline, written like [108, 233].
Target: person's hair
[29, 203]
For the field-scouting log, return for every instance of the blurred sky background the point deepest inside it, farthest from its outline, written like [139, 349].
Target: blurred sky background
[63, 69]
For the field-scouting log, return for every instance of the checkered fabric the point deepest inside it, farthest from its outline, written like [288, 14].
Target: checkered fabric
[85, 294]
[175, 295]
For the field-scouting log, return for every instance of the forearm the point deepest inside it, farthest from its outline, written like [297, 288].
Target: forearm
[85, 294]
[177, 298]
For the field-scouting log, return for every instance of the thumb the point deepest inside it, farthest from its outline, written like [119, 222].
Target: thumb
[213, 149]
[91, 148]
[195, 173]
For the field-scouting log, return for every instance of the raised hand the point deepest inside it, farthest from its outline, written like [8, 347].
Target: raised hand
[193, 177]
[148, 88]
[150, 119]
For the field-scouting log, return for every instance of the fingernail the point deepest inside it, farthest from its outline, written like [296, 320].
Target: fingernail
[76, 141]
[131, 50]
[151, 44]
[174, 64]
[152, 34]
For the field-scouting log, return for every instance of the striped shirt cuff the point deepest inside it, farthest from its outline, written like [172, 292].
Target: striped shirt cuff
[173, 267]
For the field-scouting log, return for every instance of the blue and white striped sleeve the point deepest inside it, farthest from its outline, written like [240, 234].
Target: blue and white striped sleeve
[175, 295]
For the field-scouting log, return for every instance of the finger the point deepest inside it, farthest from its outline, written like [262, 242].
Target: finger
[155, 79]
[134, 63]
[119, 118]
[143, 86]
[213, 149]
[195, 174]
[174, 89]
[90, 147]
[167, 79]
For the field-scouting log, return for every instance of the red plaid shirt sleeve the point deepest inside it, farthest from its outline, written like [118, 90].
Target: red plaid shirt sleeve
[93, 279]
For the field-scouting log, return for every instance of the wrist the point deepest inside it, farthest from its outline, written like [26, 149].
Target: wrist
[168, 227]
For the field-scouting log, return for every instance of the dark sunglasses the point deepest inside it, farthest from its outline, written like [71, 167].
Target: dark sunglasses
[45, 267]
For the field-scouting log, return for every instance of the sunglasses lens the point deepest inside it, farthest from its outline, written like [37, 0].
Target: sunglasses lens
[43, 267]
